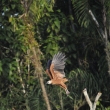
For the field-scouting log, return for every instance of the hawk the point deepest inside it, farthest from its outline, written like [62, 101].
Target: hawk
[55, 70]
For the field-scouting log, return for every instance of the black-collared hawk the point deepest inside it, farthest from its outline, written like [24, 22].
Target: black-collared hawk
[55, 70]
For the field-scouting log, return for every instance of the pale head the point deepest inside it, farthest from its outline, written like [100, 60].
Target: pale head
[49, 82]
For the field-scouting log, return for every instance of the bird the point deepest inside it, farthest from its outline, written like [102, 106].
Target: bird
[55, 70]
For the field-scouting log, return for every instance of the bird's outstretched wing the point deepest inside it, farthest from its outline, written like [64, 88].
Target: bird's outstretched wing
[58, 65]
[55, 70]
[48, 69]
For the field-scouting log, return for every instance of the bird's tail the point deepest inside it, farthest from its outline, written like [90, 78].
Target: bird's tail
[65, 80]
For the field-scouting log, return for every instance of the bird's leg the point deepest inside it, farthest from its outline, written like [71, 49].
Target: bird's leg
[67, 92]
[65, 88]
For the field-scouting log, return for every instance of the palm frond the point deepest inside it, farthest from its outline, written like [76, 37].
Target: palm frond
[81, 8]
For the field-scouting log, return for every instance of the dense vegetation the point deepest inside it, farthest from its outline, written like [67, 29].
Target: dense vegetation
[32, 31]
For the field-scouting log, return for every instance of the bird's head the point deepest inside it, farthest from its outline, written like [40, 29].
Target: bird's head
[49, 82]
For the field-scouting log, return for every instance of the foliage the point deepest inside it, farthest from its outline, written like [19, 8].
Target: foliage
[50, 23]
[100, 106]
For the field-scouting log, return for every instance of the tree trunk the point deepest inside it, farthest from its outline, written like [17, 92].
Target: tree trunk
[44, 93]
[34, 49]
[38, 67]
[103, 32]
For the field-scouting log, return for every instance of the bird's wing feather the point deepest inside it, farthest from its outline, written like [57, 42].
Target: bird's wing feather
[59, 62]
[49, 69]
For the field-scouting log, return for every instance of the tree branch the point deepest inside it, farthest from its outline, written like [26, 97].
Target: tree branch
[87, 98]
[96, 100]
[91, 105]
[97, 24]
[93, 17]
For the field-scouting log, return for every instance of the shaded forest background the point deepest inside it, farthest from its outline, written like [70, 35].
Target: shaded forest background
[32, 31]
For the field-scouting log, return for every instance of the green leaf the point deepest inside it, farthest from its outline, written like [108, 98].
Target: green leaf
[57, 23]
[47, 14]
[56, 30]
[53, 27]
[50, 9]
[48, 29]
[13, 6]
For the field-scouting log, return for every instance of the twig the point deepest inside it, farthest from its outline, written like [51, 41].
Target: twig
[93, 17]
[87, 98]
[19, 72]
[97, 24]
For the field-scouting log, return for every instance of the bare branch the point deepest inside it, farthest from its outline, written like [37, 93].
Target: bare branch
[96, 100]
[87, 98]
[97, 24]
[91, 105]
[19, 72]
[93, 17]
